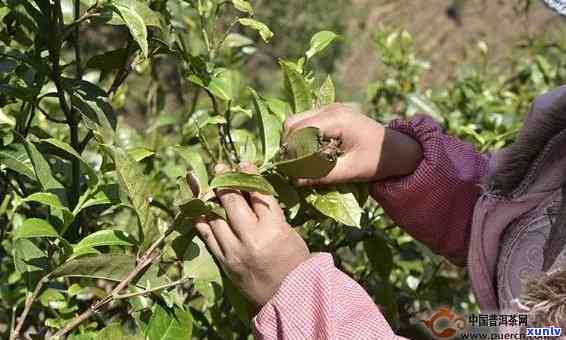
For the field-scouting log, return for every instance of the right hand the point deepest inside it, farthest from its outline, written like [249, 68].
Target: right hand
[370, 151]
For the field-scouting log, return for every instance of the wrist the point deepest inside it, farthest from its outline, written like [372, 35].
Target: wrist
[400, 156]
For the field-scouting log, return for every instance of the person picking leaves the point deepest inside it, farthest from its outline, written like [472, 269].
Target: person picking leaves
[494, 213]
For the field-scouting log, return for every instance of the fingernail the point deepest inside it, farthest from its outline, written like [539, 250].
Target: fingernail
[200, 219]
[220, 168]
[303, 182]
[245, 165]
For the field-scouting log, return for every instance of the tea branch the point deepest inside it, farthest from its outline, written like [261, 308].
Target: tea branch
[152, 290]
[226, 142]
[125, 69]
[77, 8]
[49, 118]
[27, 306]
[144, 261]
[228, 116]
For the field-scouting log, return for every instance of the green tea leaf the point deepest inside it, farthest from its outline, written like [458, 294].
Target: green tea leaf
[380, 256]
[112, 267]
[189, 211]
[139, 154]
[19, 92]
[52, 298]
[105, 194]
[108, 61]
[260, 27]
[47, 199]
[185, 193]
[198, 263]
[245, 143]
[269, 128]
[104, 238]
[243, 6]
[219, 88]
[82, 252]
[288, 196]
[93, 104]
[92, 175]
[44, 174]
[133, 181]
[214, 120]
[15, 157]
[52, 201]
[319, 42]
[235, 40]
[279, 108]
[169, 324]
[244, 182]
[418, 103]
[327, 93]
[298, 90]
[302, 142]
[28, 257]
[114, 331]
[243, 307]
[35, 227]
[196, 164]
[340, 206]
[141, 8]
[315, 165]
[136, 25]
[305, 156]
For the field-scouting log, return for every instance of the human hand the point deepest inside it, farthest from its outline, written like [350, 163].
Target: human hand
[257, 248]
[370, 151]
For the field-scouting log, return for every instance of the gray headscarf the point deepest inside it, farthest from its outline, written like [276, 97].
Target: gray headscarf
[557, 5]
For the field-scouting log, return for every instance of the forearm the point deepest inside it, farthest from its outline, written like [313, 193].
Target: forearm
[317, 301]
[435, 202]
[400, 155]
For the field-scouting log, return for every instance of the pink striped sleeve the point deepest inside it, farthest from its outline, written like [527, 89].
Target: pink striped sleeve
[317, 301]
[435, 204]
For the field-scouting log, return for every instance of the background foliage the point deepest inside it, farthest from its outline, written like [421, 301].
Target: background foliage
[104, 105]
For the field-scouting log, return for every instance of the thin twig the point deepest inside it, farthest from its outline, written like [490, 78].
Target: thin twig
[125, 70]
[147, 259]
[88, 15]
[228, 132]
[206, 147]
[222, 130]
[194, 102]
[84, 142]
[223, 39]
[29, 301]
[13, 320]
[159, 205]
[148, 291]
[49, 118]
[30, 120]
[77, 8]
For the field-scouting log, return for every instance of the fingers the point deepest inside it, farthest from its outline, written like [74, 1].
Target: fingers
[326, 119]
[264, 206]
[205, 231]
[224, 235]
[292, 121]
[239, 212]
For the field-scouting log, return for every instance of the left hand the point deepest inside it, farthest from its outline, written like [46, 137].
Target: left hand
[257, 247]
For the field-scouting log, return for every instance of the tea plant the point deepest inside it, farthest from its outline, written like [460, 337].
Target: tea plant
[97, 219]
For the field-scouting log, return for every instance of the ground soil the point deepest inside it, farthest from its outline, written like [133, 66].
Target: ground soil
[444, 31]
